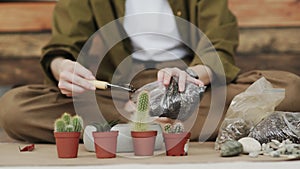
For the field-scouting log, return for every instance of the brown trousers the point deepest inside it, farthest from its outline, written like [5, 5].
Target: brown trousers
[27, 113]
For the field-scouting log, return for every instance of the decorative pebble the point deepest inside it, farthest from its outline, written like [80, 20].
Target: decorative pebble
[254, 154]
[250, 145]
[231, 148]
[285, 148]
[274, 154]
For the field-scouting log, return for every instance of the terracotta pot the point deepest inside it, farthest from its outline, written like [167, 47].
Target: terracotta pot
[175, 143]
[105, 144]
[67, 144]
[143, 142]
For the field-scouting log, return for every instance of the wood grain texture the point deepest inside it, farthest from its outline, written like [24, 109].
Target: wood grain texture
[20, 71]
[269, 61]
[37, 16]
[22, 45]
[266, 13]
[26, 17]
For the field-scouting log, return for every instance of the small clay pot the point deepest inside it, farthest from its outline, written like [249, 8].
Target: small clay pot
[105, 144]
[143, 142]
[67, 144]
[175, 143]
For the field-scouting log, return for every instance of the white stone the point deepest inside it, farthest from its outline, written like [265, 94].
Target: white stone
[88, 139]
[250, 145]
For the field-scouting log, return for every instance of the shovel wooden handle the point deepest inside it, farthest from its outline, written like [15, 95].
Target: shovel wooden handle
[100, 84]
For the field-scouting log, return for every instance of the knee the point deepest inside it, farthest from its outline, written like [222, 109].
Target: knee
[11, 113]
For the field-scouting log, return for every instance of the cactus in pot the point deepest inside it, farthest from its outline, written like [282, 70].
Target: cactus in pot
[175, 128]
[176, 140]
[67, 123]
[67, 130]
[142, 112]
[144, 146]
[105, 140]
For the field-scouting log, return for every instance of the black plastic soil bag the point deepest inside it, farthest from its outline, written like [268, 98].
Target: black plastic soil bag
[167, 101]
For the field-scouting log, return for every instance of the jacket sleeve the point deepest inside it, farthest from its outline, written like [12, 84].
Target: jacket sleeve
[72, 25]
[220, 26]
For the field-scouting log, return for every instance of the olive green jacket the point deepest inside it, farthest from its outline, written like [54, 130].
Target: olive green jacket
[74, 21]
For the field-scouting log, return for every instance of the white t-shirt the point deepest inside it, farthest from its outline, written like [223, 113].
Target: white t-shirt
[152, 29]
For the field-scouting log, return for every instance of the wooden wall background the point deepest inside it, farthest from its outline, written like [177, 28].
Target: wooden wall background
[269, 37]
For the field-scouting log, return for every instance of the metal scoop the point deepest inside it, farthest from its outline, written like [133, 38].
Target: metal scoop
[104, 85]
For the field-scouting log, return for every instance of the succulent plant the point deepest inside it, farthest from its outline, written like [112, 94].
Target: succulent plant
[67, 118]
[60, 125]
[77, 122]
[175, 128]
[104, 127]
[168, 128]
[67, 123]
[142, 112]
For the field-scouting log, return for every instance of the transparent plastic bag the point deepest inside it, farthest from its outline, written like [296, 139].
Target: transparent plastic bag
[278, 126]
[169, 102]
[247, 109]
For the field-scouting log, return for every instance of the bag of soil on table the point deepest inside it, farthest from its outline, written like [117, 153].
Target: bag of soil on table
[247, 109]
[278, 126]
[167, 101]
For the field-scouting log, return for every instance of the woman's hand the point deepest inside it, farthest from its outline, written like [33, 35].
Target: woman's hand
[204, 73]
[72, 77]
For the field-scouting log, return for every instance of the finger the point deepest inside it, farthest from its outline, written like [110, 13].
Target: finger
[83, 72]
[195, 81]
[160, 75]
[76, 80]
[182, 80]
[68, 87]
[84, 83]
[66, 92]
[167, 76]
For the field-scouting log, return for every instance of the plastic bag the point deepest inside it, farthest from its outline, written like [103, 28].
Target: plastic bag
[278, 126]
[247, 109]
[169, 102]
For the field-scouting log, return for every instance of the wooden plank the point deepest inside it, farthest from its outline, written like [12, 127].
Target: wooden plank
[26, 17]
[266, 13]
[20, 71]
[36, 16]
[22, 45]
[262, 61]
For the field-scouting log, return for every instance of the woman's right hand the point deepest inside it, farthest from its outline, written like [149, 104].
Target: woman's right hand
[72, 77]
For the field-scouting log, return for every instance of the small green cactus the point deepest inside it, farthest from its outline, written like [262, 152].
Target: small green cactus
[67, 123]
[103, 127]
[60, 125]
[175, 128]
[168, 128]
[77, 123]
[69, 128]
[142, 112]
[178, 128]
[67, 118]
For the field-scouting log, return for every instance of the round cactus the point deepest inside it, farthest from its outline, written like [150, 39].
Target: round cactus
[175, 128]
[77, 123]
[178, 128]
[168, 128]
[60, 125]
[67, 118]
[69, 128]
[67, 123]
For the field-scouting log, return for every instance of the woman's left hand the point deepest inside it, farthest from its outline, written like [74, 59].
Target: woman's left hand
[165, 75]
